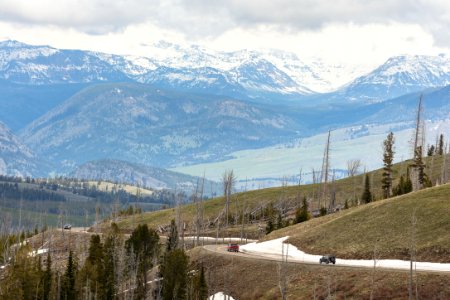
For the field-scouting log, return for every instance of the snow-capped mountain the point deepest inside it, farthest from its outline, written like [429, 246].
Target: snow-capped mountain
[15, 158]
[21, 63]
[188, 68]
[398, 76]
[268, 74]
[138, 123]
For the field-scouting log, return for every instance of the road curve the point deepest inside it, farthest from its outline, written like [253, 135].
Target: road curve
[222, 250]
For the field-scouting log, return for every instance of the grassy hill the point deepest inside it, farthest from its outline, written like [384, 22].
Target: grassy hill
[347, 189]
[383, 226]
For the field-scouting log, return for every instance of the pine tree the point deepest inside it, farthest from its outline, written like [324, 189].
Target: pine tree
[431, 150]
[172, 240]
[68, 291]
[302, 213]
[440, 150]
[93, 272]
[279, 224]
[269, 226]
[367, 194]
[419, 167]
[143, 244]
[110, 259]
[47, 278]
[200, 289]
[388, 157]
[175, 273]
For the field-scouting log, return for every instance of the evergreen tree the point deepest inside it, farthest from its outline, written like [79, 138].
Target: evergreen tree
[175, 272]
[143, 244]
[431, 150]
[279, 224]
[440, 150]
[200, 288]
[68, 291]
[47, 278]
[110, 282]
[269, 226]
[172, 240]
[419, 167]
[367, 194]
[93, 270]
[302, 213]
[388, 157]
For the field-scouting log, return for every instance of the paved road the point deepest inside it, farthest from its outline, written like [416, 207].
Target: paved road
[222, 250]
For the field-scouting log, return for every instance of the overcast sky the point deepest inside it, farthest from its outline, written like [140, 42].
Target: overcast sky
[349, 31]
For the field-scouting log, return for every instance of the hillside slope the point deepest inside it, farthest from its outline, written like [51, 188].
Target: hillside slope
[383, 226]
[254, 202]
[139, 175]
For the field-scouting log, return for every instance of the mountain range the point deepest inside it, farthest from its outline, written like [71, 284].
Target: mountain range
[187, 105]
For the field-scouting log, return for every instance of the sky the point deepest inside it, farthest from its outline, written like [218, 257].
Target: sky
[338, 31]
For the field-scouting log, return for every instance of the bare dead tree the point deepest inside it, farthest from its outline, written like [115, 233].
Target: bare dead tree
[333, 192]
[199, 219]
[282, 270]
[315, 178]
[300, 177]
[418, 128]
[353, 166]
[228, 180]
[419, 137]
[444, 169]
[325, 169]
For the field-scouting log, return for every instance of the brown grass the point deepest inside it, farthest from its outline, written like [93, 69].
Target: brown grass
[245, 278]
[384, 225]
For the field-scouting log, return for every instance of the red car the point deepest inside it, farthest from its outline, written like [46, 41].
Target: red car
[233, 248]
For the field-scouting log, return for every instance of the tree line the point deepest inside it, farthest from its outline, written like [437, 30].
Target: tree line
[139, 267]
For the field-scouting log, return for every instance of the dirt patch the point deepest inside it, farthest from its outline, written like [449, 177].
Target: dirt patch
[246, 278]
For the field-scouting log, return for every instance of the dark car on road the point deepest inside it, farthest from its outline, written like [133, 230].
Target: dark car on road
[328, 259]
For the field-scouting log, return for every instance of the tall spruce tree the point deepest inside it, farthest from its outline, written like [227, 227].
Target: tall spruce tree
[68, 290]
[419, 167]
[302, 213]
[47, 278]
[172, 240]
[175, 274]
[388, 157]
[143, 244]
[200, 288]
[110, 265]
[93, 272]
[440, 149]
[366, 196]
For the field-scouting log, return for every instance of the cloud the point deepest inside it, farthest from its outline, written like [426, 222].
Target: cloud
[209, 18]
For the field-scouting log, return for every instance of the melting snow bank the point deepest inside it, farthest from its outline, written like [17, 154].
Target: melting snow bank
[38, 252]
[222, 239]
[274, 249]
[220, 296]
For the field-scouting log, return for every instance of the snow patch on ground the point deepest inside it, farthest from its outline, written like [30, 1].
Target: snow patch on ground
[220, 296]
[38, 252]
[274, 249]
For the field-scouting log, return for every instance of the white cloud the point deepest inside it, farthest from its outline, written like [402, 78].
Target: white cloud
[352, 30]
